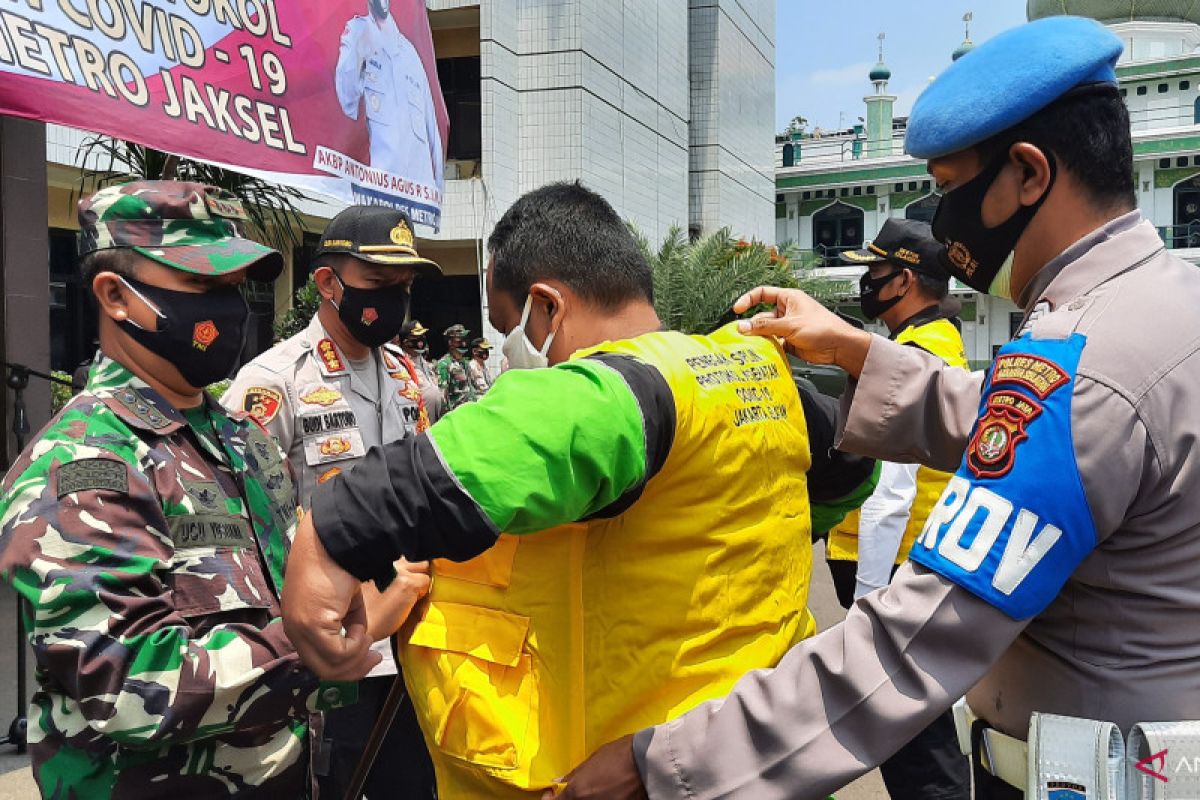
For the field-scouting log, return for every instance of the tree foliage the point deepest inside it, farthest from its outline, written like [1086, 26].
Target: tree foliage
[304, 305]
[274, 217]
[696, 282]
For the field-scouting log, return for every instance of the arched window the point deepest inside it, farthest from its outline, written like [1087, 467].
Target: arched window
[789, 155]
[923, 209]
[836, 229]
[1196, 112]
[1186, 230]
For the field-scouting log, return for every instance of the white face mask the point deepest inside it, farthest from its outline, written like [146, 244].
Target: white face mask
[517, 348]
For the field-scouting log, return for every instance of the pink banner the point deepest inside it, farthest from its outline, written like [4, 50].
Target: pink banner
[336, 96]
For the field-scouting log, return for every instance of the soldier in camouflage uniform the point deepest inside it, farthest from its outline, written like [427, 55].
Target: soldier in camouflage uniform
[147, 529]
[451, 368]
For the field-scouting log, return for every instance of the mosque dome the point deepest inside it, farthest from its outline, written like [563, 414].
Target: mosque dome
[880, 72]
[1113, 11]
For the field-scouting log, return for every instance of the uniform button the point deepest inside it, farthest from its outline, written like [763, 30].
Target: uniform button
[331, 695]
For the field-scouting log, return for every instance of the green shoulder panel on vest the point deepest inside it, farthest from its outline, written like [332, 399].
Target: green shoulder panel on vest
[546, 446]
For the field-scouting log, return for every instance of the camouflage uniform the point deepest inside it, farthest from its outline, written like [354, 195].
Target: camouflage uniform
[150, 544]
[452, 375]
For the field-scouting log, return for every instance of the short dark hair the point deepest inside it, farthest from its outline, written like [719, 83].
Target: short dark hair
[1087, 130]
[570, 233]
[935, 287]
[120, 260]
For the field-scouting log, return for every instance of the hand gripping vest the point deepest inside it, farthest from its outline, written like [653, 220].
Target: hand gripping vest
[941, 338]
[551, 644]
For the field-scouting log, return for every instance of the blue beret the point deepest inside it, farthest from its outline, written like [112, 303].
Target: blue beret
[1008, 79]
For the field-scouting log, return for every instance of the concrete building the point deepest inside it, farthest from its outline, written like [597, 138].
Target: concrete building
[834, 191]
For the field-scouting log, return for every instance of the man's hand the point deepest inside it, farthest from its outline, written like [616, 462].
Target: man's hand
[319, 600]
[808, 329]
[387, 610]
[609, 774]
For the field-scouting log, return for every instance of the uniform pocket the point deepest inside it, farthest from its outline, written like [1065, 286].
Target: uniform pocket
[207, 580]
[493, 567]
[473, 683]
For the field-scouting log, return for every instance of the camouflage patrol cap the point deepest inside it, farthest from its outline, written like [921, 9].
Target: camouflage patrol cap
[186, 226]
[457, 330]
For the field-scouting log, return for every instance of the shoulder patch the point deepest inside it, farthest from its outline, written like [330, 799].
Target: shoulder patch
[999, 430]
[262, 404]
[1037, 374]
[91, 474]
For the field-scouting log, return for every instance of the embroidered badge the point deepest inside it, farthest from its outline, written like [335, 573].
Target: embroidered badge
[1039, 375]
[335, 446]
[330, 359]
[401, 235]
[92, 474]
[321, 396]
[329, 474]
[1000, 430]
[205, 495]
[369, 316]
[262, 403]
[204, 334]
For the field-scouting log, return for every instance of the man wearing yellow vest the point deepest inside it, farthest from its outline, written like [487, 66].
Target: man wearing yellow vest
[903, 287]
[654, 493]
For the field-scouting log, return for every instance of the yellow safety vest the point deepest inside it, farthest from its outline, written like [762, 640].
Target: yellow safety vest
[941, 338]
[529, 657]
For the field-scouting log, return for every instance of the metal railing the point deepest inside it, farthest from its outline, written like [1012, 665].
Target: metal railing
[1182, 236]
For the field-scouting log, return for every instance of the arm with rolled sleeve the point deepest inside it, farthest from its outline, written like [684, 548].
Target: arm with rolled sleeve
[840, 703]
[882, 522]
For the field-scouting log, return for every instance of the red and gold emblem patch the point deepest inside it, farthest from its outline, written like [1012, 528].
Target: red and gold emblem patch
[369, 316]
[204, 334]
[330, 359]
[329, 474]
[1039, 375]
[335, 446]
[262, 403]
[1002, 427]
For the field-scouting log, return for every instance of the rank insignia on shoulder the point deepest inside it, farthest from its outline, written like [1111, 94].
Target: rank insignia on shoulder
[321, 396]
[331, 360]
[92, 474]
[999, 431]
[262, 403]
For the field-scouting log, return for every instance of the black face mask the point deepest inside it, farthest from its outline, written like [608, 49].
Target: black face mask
[373, 316]
[868, 294]
[200, 334]
[974, 252]
[418, 346]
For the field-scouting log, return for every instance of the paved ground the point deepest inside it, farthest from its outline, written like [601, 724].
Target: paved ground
[17, 784]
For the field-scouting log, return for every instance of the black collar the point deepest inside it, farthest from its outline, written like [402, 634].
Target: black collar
[925, 316]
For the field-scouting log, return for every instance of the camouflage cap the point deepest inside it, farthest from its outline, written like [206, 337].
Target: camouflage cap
[457, 329]
[186, 226]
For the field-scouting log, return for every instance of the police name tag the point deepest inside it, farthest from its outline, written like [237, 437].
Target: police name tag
[209, 530]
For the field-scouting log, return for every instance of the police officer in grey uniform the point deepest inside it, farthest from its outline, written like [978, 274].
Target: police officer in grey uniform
[330, 393]
[379, 69]
[416, 346]
[1058, 572]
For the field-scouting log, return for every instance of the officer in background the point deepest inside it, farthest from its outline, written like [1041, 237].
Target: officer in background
[477, 367]
[452, 368]
[379, 68]
[904, 287]
[329, 394]
[148, 529]
[1057, 573]
[416, 347]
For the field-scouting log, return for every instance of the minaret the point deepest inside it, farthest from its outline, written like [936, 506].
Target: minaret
[967, 45]
[879, 110]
